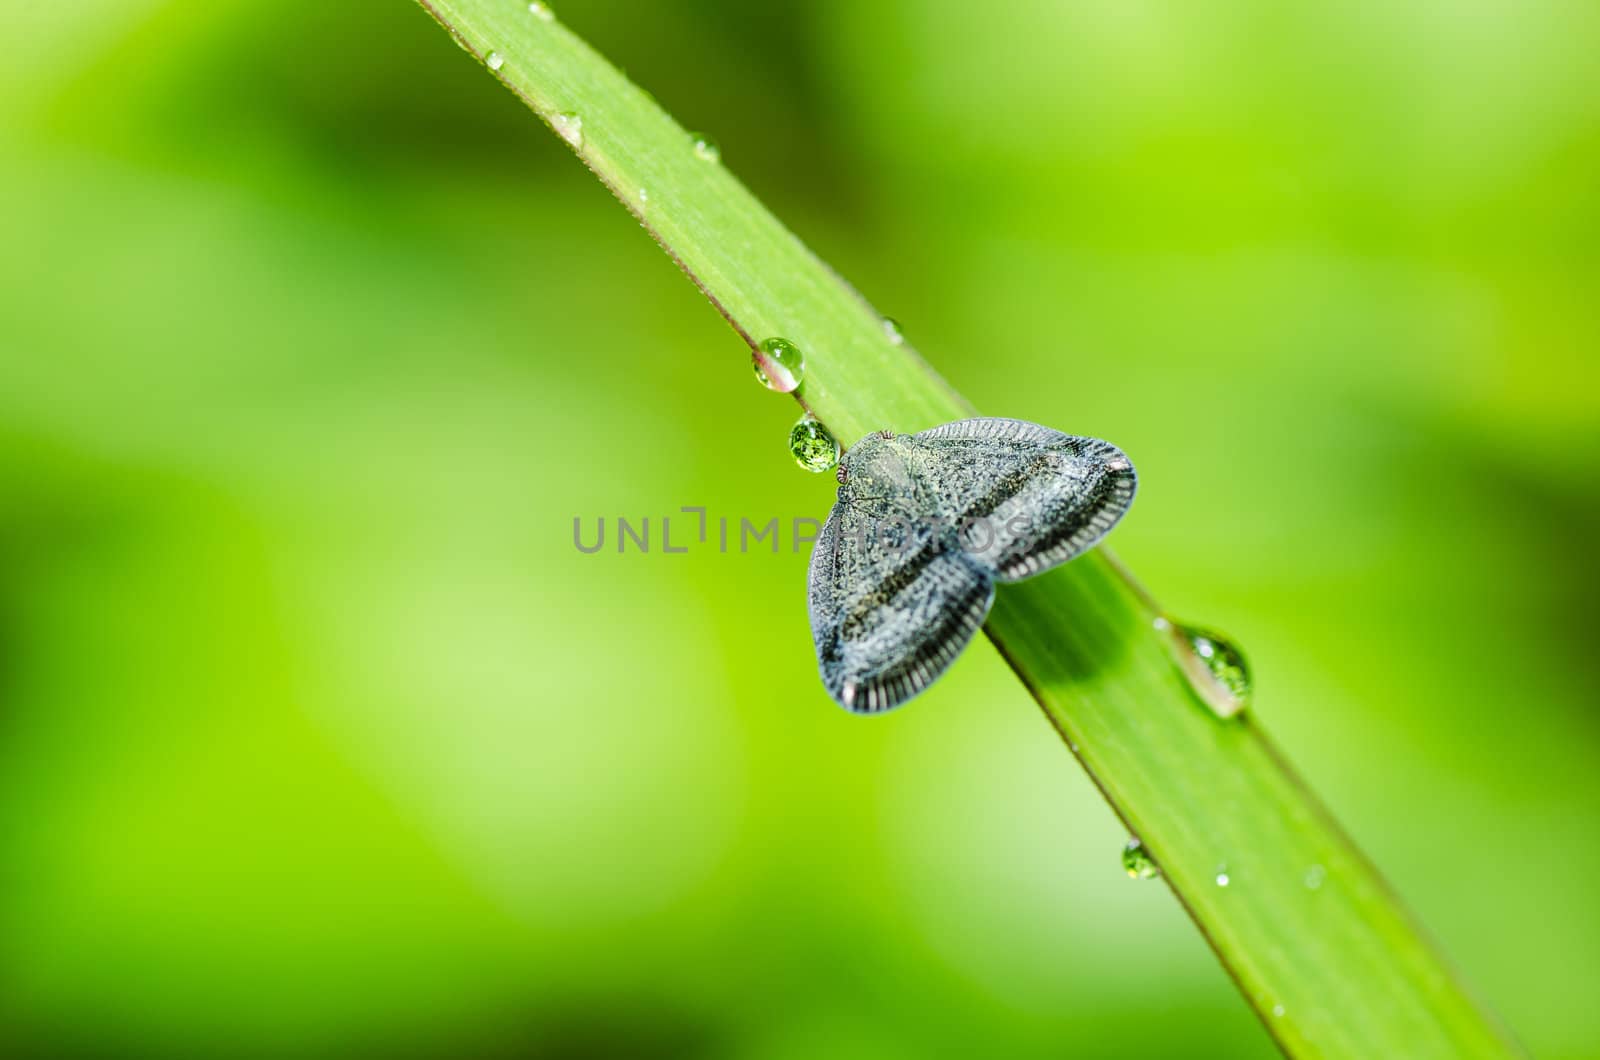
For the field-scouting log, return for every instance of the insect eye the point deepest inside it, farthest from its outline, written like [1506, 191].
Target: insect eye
[841, 474]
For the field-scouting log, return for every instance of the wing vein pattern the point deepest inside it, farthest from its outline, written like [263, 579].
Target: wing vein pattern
[903, 571]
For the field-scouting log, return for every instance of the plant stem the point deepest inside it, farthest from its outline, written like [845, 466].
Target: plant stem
[1317, 943]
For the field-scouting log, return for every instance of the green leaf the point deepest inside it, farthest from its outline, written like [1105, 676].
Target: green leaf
[1317, 943]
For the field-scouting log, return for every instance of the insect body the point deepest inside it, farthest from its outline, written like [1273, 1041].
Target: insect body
[904, 569]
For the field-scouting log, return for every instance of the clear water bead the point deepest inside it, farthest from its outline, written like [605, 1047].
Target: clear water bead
[779, 365]
[812, 446]
[570, 126]
[705, 147]
[1137, 862]
[1213, 665]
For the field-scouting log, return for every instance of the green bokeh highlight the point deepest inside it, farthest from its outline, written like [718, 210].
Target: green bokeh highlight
[319, 736]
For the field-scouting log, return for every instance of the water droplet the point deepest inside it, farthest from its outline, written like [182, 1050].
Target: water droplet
[1214, 665]
[813, 448]
[1277, 1010]
[779, 365]
[1137, 862]
[891, 329]
[541, 12]
[570, 126]
[495, 60]
[1223, 879]
[705, 147]
[644, 195]
[1315, 875]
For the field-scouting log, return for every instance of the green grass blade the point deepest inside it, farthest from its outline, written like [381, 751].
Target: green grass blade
[1318, 945]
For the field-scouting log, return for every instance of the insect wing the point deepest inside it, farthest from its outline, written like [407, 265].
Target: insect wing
[890, 609]
[1027, 498]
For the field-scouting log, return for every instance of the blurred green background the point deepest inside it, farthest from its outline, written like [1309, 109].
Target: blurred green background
[318, 737]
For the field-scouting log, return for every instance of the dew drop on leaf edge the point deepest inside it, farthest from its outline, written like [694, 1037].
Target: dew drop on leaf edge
[812, 446]
[1213, 664]
[541, 12]
[705, 148]
[779, 365]
[495, 61]
[570, 126]
[891, 330]
[1137, 862]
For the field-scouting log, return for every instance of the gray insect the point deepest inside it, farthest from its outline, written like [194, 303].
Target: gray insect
[903, 572]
